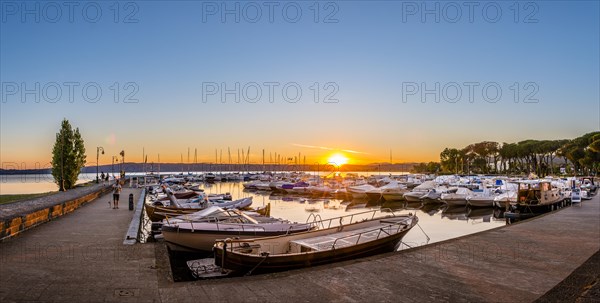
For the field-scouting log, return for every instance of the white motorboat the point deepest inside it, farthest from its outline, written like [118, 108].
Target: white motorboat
[481, 199]
[360, 191]
[251, 184]
[508, 196]
[456, 196]
[418, 192]
[263, 186]
[201, 232]
[376, 194]
[434, 194]
[394, 194]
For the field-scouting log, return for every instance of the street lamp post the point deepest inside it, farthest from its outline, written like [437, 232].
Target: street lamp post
[98, 149]
[122, 167]
[117, 160]
[62, 163]
[112, 167]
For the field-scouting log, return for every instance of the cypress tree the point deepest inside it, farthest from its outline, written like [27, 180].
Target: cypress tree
[68, 156]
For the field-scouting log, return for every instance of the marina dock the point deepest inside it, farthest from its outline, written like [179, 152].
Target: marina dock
[81, 257]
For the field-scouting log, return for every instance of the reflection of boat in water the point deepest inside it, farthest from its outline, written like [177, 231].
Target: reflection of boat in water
[312, 208]
[498, 213]
[394, 205]
[413, 205]
[480, 213]
[346, 242]
[329, 204]
[432, 208]
[455, 212]
[356, 203]
[519, 215]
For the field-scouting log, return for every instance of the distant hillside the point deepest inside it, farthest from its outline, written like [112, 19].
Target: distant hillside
[208, 167]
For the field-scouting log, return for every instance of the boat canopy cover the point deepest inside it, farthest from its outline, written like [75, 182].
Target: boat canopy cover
[217, 213]
[427, 185]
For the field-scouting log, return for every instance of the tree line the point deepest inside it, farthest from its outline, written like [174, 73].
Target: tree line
[542, 157]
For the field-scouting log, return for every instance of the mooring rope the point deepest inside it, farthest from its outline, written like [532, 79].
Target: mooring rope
[257, 265]
[424, 232]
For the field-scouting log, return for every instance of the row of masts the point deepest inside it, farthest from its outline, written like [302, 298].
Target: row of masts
[243, 161]
[277, 162]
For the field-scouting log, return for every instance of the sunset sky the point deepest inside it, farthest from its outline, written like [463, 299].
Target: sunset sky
[161, 68]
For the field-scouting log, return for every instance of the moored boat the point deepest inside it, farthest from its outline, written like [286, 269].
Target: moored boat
[157, 211]
[419, 191]
[334, 244]
[456, 196]
[360, 191]
[200, 232]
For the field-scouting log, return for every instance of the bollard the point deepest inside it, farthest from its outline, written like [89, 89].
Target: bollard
[130, 201]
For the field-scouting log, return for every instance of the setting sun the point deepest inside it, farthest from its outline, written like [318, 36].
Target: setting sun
[337, 159]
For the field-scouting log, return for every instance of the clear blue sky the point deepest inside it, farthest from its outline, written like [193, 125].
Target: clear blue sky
[371, 52]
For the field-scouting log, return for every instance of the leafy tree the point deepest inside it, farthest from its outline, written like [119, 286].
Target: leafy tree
[450, 159]
[431, 167]
[68, 156]
[581, 151]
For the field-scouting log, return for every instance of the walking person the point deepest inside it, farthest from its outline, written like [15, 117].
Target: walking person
[116, 193]
[102, 178]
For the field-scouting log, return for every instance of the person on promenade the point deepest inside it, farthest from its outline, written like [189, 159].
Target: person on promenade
[116, 194]
[102, 178]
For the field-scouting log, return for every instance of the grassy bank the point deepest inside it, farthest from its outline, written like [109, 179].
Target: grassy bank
[15, 198]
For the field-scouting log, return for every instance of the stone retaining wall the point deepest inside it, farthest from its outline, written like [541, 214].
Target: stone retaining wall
[13, 226]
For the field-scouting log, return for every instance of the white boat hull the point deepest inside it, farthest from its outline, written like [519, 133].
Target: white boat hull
[481, 201]
[413, 196]
[394, 196]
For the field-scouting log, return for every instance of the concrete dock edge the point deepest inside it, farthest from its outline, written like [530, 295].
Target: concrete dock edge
[136, 221]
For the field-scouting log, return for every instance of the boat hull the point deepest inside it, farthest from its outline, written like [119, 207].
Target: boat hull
[260, 264]
[202, 240]
[300, 256]
[394, 196]
[413, 197]
[489, 202]
[455, 202]
[374, 196]
[158, 213]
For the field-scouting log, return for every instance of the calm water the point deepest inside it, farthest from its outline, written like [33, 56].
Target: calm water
[440, 223]
[33, 184]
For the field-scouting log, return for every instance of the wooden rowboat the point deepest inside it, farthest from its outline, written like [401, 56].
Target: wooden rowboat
[333, 244]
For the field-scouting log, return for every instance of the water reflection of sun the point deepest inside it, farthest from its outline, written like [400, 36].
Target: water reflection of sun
[337, 159]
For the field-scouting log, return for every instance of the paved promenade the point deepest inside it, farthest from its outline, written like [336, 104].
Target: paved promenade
[80, 257]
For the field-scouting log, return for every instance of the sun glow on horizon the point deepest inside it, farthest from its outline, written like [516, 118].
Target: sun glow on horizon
[337, 159]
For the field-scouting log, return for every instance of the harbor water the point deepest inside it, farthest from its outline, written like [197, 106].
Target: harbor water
[438, 222]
